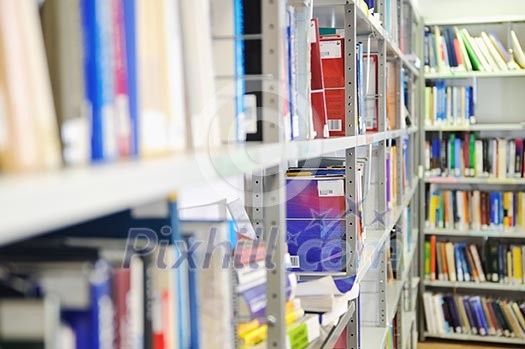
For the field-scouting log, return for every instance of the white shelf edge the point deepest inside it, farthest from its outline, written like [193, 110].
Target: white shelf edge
[475, 74]
[394, 289]
[475, 286]
[475, 20]
[516, 126]
[475, 180]
[473, 233]
[465, 337]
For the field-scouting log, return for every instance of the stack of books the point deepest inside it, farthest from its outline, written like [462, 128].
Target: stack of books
[467, 155]
[473, 315]
[453, 49]
[447, 261]
[447, 103]
[475, 210]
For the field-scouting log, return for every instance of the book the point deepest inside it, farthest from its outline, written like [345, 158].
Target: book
[318, 98]
[517, 50]
[32, 141]
[62, 30]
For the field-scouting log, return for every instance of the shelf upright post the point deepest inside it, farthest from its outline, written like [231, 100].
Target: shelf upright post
[351, 127]
[421, 188]
[273, 179]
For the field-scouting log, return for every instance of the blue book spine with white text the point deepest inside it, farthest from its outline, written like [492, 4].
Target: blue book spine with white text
[131, 61]
[182, 282]
[240, 85]
[193, 284]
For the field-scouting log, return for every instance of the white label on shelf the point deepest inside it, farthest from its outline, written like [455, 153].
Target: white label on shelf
[331, 188]
[331, 49]
[250, 113]
[313, 36]
[294, 261]
[335, 125]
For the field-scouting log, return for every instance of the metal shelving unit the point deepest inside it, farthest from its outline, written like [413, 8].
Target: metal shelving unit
[136, 182]
[502, 129]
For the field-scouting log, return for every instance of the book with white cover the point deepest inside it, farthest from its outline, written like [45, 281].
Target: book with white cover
[199, 74]
[517, 50]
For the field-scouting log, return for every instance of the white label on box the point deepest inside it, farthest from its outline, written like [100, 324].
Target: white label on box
[331, 188]
[330, 49]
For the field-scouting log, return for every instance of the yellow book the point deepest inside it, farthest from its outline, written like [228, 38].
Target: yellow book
[245, 327]
[517, 260]
[259, 334]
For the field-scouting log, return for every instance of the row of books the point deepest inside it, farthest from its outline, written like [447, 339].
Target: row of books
[474, 315]
[467, 155]
[454, 49]
[447, 104]
[475, 210]
[155, 287]
[447, 261]
[317, 207]
[114, 74]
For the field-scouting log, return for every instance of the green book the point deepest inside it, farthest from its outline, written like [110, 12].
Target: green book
[472, 155]
[427, 260]
[298, 336]
[441, 217]
[470, 50]
[451, 153]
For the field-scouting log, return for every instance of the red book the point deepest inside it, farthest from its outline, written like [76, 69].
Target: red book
[433, 258]
[317, 84]
[122, 116]
[466, 154]
[121, 289]
[332, 57]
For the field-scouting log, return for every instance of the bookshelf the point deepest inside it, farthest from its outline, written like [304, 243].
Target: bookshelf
[109, 187]
[493, 123]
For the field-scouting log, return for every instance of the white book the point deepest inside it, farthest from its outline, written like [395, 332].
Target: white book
[438, 304]
[502, 158]
[451, 263]
[477, 262]
[516, 49]
[200, 83]
[496, 57]
[449, 119]
[429, 313]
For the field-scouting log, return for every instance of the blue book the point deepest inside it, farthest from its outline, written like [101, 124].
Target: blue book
[98, 58]
[182, 283]
[370, 4]
[467, 104]
[476, 305]
[240, 85]
[459, 263]
[457, 157]
[467, 272]
[471, 104]
[471, 319]
[426, 49]
[131, 61]
[493, 199]
[475, 315]
[193, 295]
[93, 324]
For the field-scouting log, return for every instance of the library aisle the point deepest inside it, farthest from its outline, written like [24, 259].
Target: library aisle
[262, 174]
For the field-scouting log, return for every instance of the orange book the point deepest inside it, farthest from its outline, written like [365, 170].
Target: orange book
[444, 261]
[457, 50]
[433, 258]
[466, 207]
